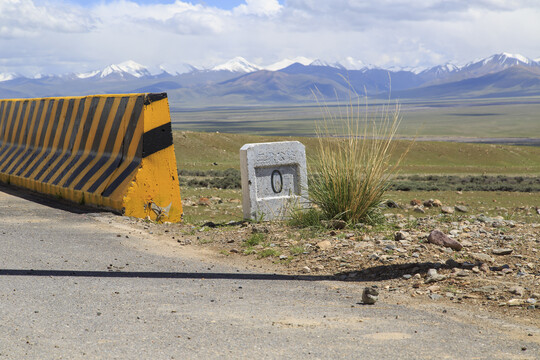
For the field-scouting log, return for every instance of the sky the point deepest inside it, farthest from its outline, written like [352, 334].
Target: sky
[64, 36]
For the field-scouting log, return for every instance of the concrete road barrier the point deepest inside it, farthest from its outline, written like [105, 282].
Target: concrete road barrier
[114, 151]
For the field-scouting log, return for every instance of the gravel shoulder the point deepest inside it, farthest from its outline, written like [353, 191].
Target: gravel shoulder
[497, 270]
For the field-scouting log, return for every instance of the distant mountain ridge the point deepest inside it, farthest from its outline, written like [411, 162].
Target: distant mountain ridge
[289, 81]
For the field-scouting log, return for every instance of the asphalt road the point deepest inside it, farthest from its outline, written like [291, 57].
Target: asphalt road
[76, 285]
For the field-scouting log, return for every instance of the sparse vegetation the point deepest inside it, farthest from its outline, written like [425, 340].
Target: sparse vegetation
[466, 183]
[254, 240]
[219, 179]
[353, 173]
[268, 253]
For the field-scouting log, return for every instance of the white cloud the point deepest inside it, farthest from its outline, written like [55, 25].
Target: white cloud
[23, 17]
[384, 32]
[259, 7]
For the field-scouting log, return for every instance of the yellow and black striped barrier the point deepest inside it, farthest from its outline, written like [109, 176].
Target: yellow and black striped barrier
[114, 151]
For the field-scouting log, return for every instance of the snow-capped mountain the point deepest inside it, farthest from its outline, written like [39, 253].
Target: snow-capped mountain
[8, 76]
[238, 64]
[125, 69]
[288, 62]
[350, 63]
[496, 63]
[439, 71]
[320, 62]
[287, 80]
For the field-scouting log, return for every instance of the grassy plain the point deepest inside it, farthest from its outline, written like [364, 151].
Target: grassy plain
[469, 118]
[210, 139]
[220, 151]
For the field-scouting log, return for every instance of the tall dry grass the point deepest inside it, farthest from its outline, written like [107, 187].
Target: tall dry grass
[352, 169]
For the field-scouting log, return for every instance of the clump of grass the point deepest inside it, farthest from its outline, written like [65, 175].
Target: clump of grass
[254, 240]
[353, 172]
[305, 218]
[296, 250]
[267, 253]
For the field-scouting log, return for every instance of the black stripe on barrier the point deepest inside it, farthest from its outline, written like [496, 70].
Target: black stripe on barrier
[9, 132]
[52, 135]
[69, 148]
[86, 130]
[123, 176]
[30, 146]
[61, 140]
[157, 139]
[117, 121]
[23, 139]
[150, 98]
[123, 153]
[39, 146]
[13, 142]
[91, 155]
[5, 121]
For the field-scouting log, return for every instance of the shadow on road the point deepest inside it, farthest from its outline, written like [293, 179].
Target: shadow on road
[159, 275]
[372, 274]
[49, 201]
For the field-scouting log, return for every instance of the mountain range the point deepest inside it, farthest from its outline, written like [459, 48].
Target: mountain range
[238, 81]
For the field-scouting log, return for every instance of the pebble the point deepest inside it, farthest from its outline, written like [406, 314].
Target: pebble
[515, 302]
[324, 245]
[461, 208]
[401, 235]
[370, 295]
[516, 290]
[433, 276]
[447, 210]
[482, 257]
[502, 251]
[419, 209]
[437, 237]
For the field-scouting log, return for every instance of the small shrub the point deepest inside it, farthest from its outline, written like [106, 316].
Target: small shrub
[254, 240]
[297, 250]
[305, 218]
[268, 252]
[354, 171]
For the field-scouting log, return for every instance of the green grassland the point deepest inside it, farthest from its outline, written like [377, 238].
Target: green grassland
[474, 118]
[210, 139]
[220, 151]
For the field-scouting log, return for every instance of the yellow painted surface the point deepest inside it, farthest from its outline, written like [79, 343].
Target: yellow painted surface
[150, 190]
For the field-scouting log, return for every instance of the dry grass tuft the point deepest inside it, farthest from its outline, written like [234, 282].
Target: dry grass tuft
[351, 175]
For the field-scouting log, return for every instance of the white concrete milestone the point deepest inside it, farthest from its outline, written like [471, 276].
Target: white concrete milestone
[274, 179]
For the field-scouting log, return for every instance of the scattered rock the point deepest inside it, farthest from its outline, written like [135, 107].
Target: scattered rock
[502, 251]
[401, 235]
[447, 210]
[203, 201]
[433, 276]
[517, 290]
[324, 245]
[515, 302]
[439, 238]
[370, 295]
[306, 270]
[481, 257]
[484, 219]
[416, 202]
[462, 208]
[392, 204]
[419, 209]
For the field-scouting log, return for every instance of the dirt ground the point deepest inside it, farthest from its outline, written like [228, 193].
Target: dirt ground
[496, 271]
